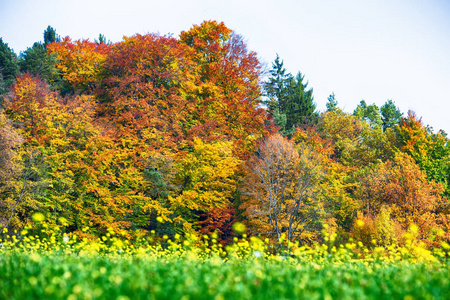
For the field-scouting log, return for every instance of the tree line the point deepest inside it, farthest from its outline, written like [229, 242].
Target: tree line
[187, 135]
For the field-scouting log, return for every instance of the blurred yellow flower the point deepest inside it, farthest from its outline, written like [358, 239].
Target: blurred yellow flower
[38, 217]
[238, 227]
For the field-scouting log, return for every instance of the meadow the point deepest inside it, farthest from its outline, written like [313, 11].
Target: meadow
[61, 267]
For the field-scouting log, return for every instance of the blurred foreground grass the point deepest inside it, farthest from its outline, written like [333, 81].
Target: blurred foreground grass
[56, 266]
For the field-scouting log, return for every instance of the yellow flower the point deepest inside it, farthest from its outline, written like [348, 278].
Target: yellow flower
[414, 228]
[38, 217]
[63, 221]
[238, 227]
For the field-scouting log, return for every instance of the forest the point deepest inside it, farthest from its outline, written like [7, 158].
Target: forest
[164, 136]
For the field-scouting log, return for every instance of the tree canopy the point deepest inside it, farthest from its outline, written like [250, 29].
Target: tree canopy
[185, 135]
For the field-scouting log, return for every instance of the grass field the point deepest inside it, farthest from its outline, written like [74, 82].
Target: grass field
[110, 269]
[34, 276]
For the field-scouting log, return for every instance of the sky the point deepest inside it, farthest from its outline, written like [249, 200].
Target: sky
[373, 49]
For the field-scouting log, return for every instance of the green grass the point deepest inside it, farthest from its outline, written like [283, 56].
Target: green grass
[56, 275]
[52, 265]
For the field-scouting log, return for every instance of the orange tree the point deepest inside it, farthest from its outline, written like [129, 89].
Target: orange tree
[430, 150]
[141, 104]
[402, 187]
[78, 62]
[88, 180]
[226, 88]
[162, 96]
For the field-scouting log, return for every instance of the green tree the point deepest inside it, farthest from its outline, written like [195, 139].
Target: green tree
[390, 115]
[289, 99]
[50, 36]
[37, 61]
[275, 87]
[332, 104]
[9, 67]
[276, 91]
[300, 106]
[102, 40]
[369, 113]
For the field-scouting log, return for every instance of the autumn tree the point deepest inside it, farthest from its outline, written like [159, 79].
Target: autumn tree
[344, 130]
[28, 106]
[141, 102]
[78, 62]
[282, 186]
[24, 105]
[77, 169]
[20, 177]
[208, 176]
[226, 89]
[218, 221]
[140, 92]
[335, 190]
[9, 169]
[430, 150]
[163, 96]
[403, 187]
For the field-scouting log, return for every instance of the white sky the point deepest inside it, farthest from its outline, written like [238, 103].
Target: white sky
[361, 49]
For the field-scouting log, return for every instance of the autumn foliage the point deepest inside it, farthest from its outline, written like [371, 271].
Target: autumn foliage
[162, 135]
[79, 62]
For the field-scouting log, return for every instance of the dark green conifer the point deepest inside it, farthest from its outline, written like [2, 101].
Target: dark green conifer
[9, 67]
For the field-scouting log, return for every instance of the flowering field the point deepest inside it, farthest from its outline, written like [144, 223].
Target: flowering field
[63, 267]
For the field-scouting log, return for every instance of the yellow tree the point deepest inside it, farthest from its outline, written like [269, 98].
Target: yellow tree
[10, 185]
[91, 180]
[208, 177]
[337, 184]
[345, 131]
[24, 104]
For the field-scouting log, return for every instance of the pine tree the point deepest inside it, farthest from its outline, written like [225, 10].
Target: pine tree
[50, 36]
[9, 67]
[300, 106]
[37, 61]
[390, 115]
[102, 40]
[332, 104]
[290, 102]
[276, 87]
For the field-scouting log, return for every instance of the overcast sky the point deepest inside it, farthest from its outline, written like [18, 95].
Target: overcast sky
[359, 49]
